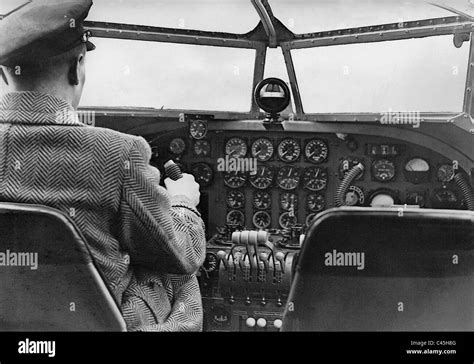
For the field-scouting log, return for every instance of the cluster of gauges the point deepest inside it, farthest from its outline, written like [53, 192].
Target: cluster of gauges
[416, 170]
[201, 148]
[288, 150]
[287, 178]
[262, 203]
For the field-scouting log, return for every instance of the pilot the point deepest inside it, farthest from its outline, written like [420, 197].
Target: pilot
[147, 241]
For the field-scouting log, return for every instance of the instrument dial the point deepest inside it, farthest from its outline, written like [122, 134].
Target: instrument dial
[262, 220]
[354, 197]
[198, 129]
[236, 148]
[210, 263]
[315, 202]
[235, 179]
[235, 199]
[445, 199]
[262, 200]
[288, 178]
[417, 170]
[289, 201]
[262, 179]
[346, 164]
[445, 173]
[203, 174]
[383, 170]
[289, 150]
[262, 149]
[315, 179]
[316, 151]
[177, 146]
[202, 148]
[235, 217]
[287, 220]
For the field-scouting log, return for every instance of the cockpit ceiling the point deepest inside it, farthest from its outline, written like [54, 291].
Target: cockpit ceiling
[240, 16]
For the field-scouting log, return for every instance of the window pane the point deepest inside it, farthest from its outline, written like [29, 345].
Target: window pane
[307, 16]
[234, 16]
[7, 6]
[172, 76]
[408, 75]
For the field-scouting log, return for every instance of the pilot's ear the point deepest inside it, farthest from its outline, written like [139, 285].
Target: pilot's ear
[74, 70]
[2, 73]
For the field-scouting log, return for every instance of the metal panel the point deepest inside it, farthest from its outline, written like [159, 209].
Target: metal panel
[290, 67]
[171, 35]
[382, 33]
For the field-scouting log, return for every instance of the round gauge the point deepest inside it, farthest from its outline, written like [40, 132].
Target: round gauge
[316, 151]
[289, 150]
[177, 146]
[262, 149]
[262, 179]
[415, 199]
[288, 178]
[272, 95]
[346, 164]
[210, 263]
[198, 129]
[288, 201]
[383, 170]
[235, 199]
[236, 148]
[235, 179]
[203, 174]
[262, 200]
[445, 173]
[235, 217]
[202, 148]
[354, 197]
[310, 219]
[315, 202]
[287, 220]
[417, 171]
[262, 220]
[445, 199]
[417, 165]
[382, 200]
[315, 179]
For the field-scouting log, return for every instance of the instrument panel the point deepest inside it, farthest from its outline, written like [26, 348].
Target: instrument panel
[277, 183]
[275, 180]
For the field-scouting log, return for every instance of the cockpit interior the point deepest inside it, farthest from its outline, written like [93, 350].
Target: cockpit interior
[332, 142]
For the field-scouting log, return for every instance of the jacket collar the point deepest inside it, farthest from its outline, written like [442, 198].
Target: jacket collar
[36, 108]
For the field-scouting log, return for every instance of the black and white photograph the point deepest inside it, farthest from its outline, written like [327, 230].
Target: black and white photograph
[244, 171]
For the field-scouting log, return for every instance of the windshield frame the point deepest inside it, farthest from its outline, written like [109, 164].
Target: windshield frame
[271, 33]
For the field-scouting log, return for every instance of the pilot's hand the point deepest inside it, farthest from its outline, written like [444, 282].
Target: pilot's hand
[185, 186]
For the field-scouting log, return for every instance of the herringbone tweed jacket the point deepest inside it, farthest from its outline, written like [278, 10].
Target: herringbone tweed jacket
[147, 244]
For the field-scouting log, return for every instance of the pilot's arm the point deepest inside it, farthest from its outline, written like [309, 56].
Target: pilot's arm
[161, 229]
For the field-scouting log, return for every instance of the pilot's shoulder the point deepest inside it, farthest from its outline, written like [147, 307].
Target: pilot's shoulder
[122, 141]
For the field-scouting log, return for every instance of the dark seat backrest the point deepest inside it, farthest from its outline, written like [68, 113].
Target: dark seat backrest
[368, 269]
[48, 281]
